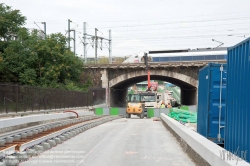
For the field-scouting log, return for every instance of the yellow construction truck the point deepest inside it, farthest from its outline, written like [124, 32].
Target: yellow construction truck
[137, 104]
[134, 106]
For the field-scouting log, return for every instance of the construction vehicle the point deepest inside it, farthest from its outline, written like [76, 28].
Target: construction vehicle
[154, 86]
[135, 106]
[151, 100]
[170, 99]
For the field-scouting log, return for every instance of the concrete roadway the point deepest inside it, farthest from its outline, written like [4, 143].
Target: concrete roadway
[122, 142]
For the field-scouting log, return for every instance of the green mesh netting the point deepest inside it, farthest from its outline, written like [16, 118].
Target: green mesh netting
[183, 115]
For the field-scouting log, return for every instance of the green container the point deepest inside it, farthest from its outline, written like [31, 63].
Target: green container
[99, 111]
[151, 112]
[114, 111]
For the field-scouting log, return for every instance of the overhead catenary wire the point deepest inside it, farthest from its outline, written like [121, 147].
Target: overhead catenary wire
[192, 28]
[177, 22]
[183, 37]
[173, 22]
[186, 35]
[146, 31]
[147, 19]
[38, 26]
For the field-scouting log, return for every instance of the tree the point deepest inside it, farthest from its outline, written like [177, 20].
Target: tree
[32, 60]
[118, 60]
[103, 60]
[15, 58]
[10, 23]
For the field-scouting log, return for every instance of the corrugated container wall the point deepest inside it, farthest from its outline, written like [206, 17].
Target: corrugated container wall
[211, 102]
[237, 131]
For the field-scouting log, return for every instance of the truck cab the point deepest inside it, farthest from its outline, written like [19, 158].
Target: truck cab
[151, 100]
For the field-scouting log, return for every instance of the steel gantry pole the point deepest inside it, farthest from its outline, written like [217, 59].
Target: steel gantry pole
[84, 44]
[110, 48]
[44, 29]
[96, 45]
[74, 41]
[69, 33]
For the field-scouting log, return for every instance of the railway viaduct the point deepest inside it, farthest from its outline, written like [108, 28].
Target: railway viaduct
[116, 78]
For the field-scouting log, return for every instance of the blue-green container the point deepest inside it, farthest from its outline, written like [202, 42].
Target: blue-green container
[237, 131]
[211, 102]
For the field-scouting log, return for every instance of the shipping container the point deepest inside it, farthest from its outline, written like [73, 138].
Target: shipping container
[237, 131]
[211, 102]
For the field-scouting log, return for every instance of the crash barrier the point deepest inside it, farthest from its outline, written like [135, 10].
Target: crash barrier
[192, 108]
[199, 148]
[37, 118]
[151, 112]
[184, 107]
[110, 111]
[156, 112]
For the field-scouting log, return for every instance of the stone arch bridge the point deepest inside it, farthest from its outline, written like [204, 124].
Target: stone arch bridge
[116, 78]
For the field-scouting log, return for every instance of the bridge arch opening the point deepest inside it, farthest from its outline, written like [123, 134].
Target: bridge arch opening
[119, 85]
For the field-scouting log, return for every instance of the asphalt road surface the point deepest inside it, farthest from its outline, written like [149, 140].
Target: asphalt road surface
[122, 142]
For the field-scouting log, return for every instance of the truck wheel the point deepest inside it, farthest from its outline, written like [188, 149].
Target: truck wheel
[142, 115]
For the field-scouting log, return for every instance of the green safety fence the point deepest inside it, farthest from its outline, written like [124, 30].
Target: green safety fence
[150, 113]
[156, 112]
[183, 115]
[114, 111]
[99, 111]
[184, 108]
[110, 111]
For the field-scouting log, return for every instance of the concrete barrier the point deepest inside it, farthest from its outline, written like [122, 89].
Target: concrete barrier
[156, 112]
[110, 111]
[13, 114]
[36, 118]
[152, 112]
[192, 108]
[102, 111]
[83, 113]
[200, 149]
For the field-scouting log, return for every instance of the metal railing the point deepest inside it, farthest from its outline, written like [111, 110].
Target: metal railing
[17, 98]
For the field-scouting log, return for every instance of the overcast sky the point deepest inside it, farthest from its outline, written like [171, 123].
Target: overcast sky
[141, 25]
